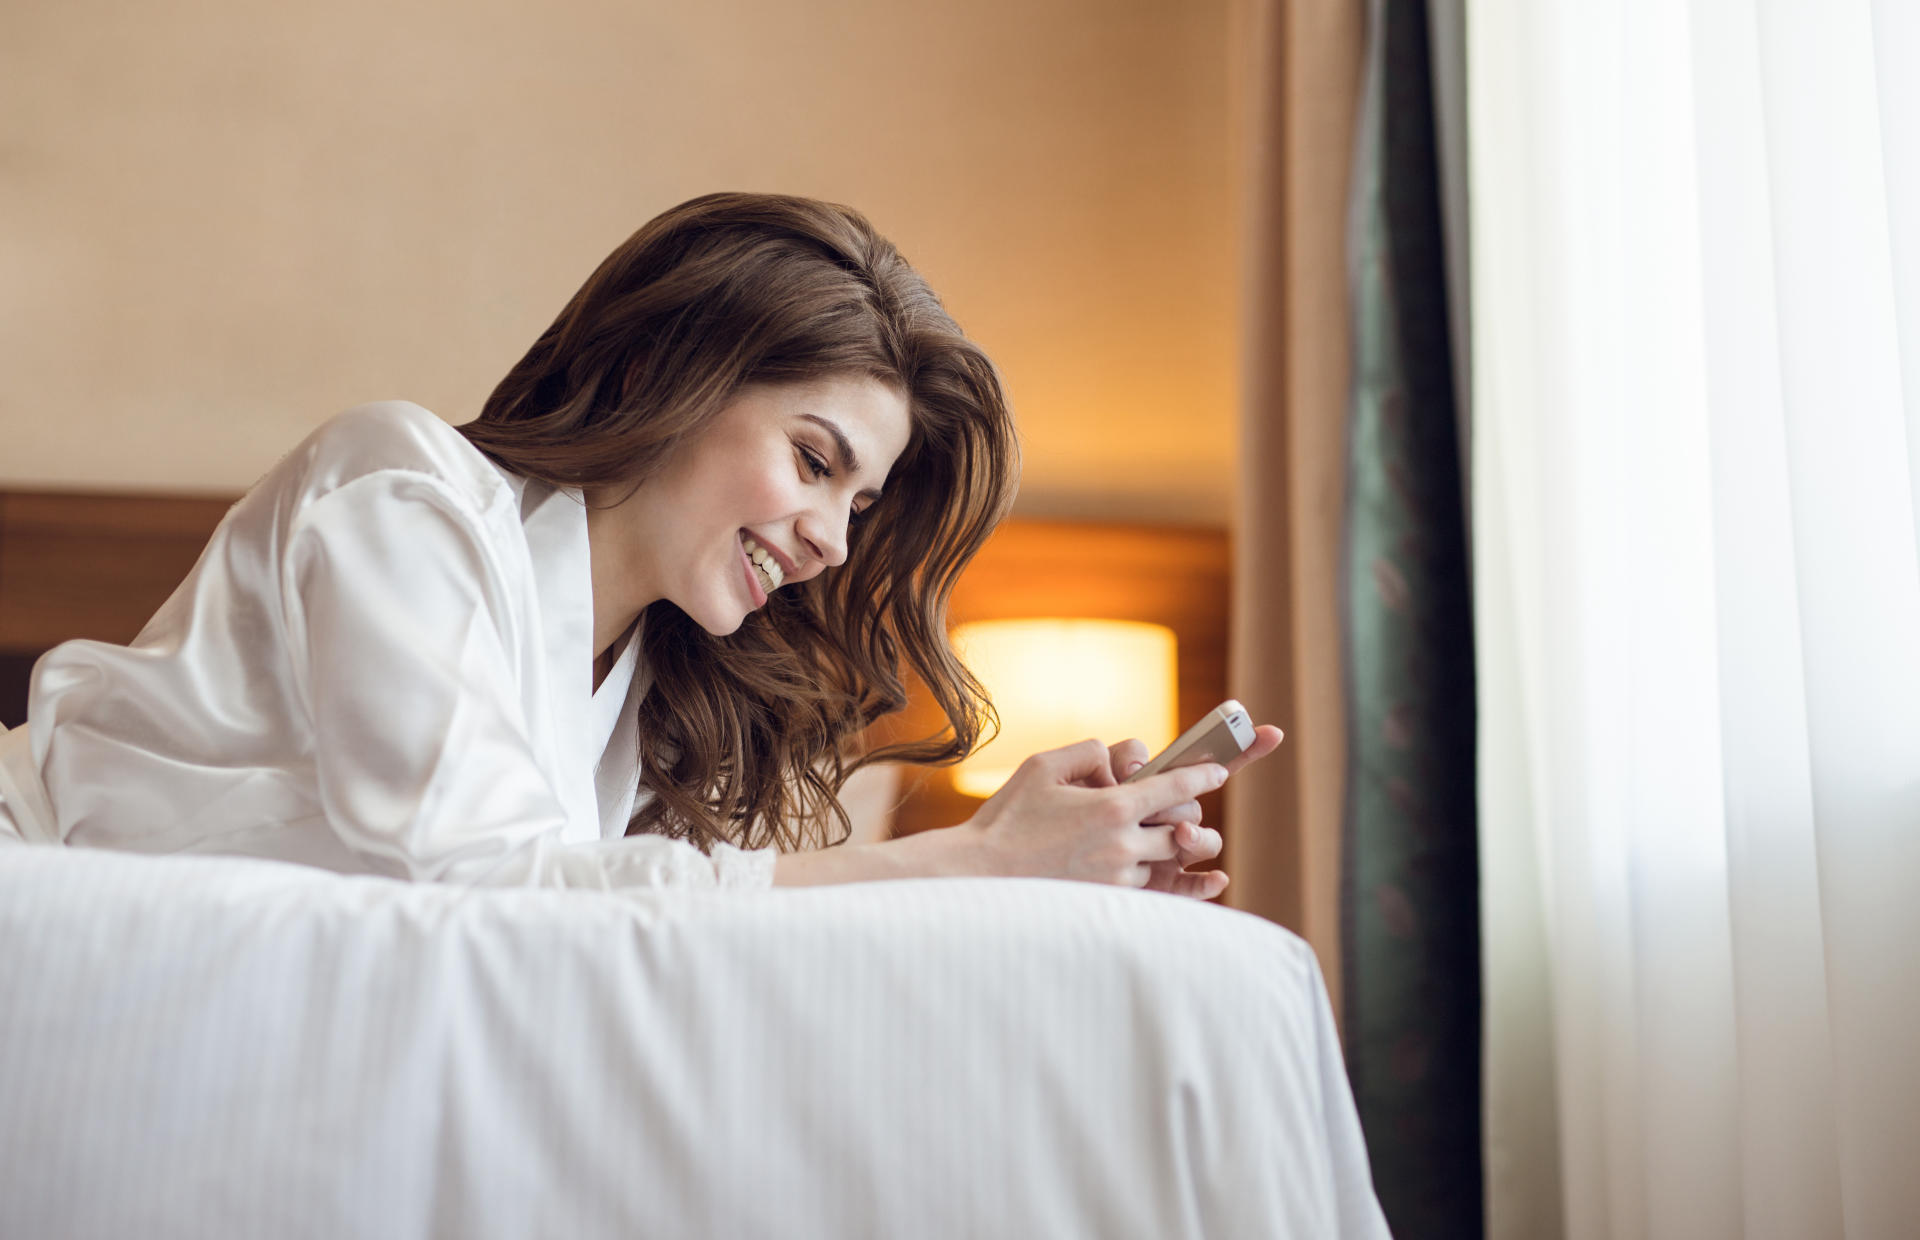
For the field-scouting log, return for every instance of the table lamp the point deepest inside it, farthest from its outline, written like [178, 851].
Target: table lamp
[1057, 681]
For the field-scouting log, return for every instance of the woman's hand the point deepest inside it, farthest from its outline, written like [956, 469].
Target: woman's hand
[1065, 815]
[1193, 843]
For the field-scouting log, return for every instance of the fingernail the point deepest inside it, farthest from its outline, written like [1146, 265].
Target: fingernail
[1216, 776]
[1134, 766]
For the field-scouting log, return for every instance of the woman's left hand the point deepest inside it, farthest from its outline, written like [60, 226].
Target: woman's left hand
[1195, 843]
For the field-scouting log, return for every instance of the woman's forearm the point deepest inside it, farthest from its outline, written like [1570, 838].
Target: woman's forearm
[950, 852]
[1062, 815]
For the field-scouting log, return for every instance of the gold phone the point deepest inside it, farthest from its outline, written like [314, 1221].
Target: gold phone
[1221, 736]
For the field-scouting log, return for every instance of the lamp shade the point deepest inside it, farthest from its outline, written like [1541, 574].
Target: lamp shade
[1055, 682]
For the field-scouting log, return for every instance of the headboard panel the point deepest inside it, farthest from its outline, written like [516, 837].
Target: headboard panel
[82, 564]
[75, 564]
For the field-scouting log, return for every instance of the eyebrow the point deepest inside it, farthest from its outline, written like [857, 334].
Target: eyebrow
[843, 447]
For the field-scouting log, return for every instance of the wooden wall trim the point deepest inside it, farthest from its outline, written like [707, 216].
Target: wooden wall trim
[76, 564]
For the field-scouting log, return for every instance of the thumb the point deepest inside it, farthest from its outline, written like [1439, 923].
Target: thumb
[1086, 763]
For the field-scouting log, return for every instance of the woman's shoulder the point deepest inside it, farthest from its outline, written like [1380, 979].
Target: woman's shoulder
[395, 441]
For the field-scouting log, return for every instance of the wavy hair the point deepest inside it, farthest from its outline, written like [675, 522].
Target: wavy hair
[748, 738]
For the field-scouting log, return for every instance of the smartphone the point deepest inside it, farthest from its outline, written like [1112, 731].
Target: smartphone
[1223, 734]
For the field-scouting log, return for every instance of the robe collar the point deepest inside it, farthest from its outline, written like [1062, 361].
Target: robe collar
[598, 756]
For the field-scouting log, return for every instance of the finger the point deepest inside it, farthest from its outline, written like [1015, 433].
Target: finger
[1167, 876]
[1144, 798]
[1195, 844]
[1085, 762]
[1128, 756]
[1266, 739]
[1161, 875]
[1201, 885]
[1155, 844]
[1186, 811]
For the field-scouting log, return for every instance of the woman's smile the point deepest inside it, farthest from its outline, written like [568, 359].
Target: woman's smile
[771, 567]
[756, 593]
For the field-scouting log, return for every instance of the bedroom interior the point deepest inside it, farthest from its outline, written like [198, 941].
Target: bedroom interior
[1511, 399]
[405, 193]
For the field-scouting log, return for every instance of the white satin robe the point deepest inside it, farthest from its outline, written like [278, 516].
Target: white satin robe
[382, 663]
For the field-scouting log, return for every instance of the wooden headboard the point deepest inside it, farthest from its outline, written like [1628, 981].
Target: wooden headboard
[75, 564]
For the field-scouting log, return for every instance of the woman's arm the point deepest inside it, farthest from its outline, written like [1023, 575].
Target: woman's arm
[1062, 815]
[950, 852]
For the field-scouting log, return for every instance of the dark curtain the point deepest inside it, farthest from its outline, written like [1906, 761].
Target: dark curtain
[1410, 907]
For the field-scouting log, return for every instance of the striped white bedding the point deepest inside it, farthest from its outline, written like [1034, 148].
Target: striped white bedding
[204, 1047]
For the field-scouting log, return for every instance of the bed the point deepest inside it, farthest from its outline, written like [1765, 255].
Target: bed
[203, 1046]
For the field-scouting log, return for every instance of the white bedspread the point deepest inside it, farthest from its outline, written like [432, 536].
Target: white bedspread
[205, 1047]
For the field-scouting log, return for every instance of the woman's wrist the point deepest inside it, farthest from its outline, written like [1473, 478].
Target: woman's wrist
[958, 852]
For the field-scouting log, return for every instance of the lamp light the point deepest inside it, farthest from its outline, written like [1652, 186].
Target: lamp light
[1055, 682]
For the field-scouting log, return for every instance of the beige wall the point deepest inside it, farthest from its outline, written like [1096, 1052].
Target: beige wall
[222, 221]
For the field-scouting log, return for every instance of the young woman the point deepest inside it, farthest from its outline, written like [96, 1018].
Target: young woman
[627, 627]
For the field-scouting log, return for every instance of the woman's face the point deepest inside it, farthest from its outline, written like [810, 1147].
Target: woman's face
[759, 502]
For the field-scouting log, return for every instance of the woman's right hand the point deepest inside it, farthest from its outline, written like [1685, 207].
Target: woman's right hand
[1062, 815]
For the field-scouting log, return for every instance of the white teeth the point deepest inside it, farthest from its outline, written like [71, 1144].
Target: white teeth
[770, 571]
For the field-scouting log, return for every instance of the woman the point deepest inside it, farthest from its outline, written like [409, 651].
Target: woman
[627, 627]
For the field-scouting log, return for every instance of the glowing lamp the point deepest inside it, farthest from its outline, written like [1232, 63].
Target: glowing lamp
[1055, 682]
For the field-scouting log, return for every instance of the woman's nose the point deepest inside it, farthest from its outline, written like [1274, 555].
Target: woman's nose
[825, 537]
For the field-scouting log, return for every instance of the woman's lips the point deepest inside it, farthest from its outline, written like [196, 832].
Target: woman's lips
[754, 591]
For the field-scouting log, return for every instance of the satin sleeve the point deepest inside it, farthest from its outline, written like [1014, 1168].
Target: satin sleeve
[403, 636]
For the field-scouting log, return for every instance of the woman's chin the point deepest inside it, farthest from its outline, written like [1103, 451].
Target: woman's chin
[722, 621]
[718, 618]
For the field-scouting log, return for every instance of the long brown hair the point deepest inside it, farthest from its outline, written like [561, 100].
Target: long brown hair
[748, 738]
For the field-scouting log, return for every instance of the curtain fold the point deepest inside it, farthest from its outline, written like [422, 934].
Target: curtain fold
[1304, 59]
[1351, 625]
[1696, 384]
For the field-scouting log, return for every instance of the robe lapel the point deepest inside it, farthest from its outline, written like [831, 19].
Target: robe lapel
[555, 522]
[616, 733]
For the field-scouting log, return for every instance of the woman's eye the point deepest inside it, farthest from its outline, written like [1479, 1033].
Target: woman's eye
[815, 464]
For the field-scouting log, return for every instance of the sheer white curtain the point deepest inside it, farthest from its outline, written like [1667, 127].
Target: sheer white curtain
[1696, 356]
